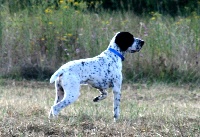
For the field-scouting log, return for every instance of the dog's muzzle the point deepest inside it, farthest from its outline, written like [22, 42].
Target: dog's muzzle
[139, 44]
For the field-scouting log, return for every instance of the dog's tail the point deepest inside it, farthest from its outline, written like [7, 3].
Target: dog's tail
[59, 72]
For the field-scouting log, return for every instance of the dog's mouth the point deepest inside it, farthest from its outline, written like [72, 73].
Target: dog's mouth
[133, 51]
[141, 43]
[136, 50]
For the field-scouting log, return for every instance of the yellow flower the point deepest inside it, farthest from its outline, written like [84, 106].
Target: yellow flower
[48, 11]
[61, 1]
[153, 18]
[42, 39]
[69, 34]
[70, 1]
[50, 23]
[62, 38]
[105, 22]
[66, 7]
[76, 3]
[178, 23]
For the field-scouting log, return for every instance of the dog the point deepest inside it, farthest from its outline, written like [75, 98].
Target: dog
[101, 72]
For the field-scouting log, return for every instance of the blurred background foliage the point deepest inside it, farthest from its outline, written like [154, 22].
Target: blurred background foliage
[37, 36]
[169, 7]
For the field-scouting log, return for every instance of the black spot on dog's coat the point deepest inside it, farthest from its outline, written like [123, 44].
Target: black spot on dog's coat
[83, 63]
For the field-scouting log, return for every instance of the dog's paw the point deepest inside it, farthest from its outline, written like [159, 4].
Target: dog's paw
[52, 113]
[96, 99]
[101, 97]
[116, 119]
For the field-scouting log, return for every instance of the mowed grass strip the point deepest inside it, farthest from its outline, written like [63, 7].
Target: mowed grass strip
[156, 110]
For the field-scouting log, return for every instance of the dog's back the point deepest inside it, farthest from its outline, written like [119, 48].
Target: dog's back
[97, 71]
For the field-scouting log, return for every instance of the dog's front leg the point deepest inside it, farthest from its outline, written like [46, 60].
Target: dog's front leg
[116, 104]
[117, 96]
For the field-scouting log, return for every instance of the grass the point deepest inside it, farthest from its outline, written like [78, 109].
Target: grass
[156, 110]
[35, 41]
[46, 37]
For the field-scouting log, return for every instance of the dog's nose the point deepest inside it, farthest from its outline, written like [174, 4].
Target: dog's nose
[142, 43]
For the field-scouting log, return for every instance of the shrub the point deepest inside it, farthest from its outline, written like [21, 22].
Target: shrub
[29, 72]
[49, 37]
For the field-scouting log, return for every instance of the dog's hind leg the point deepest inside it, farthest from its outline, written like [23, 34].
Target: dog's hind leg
[103, 95]
[59, 91]
[71, 94]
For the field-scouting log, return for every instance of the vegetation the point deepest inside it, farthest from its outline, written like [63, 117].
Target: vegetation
[37, 40]
[38, 36]
[171, 7]
[158, 110]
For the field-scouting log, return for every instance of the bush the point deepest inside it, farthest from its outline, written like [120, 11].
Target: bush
[30, 72]
[170, 7]
[49, 37]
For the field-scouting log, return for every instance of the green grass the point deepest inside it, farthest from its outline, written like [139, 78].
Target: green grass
[39, 40]
[157, 110]
[47, 38]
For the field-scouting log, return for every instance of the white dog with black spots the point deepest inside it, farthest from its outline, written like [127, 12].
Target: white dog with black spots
[101, 72]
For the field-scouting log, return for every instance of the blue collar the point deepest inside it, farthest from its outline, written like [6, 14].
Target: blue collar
[117, 53]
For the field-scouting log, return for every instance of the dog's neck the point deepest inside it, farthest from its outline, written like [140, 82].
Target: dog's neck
[116, 50]
[114, 46]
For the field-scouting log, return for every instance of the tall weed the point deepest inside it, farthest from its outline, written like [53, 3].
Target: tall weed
[45, 38]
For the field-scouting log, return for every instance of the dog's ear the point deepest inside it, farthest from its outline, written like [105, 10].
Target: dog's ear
[124, 40]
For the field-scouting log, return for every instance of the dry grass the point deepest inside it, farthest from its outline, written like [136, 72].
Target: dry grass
[158, 110]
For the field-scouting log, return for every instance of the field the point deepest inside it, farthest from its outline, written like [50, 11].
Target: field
[161, 90]
[146, 110]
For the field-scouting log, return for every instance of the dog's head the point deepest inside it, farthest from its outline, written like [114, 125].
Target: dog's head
[127, 42]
